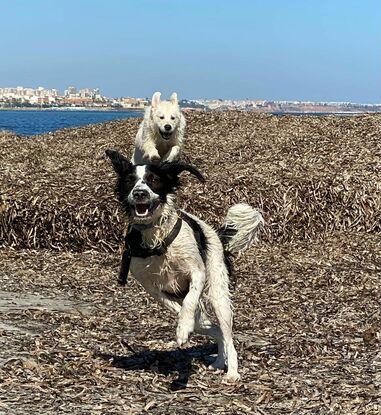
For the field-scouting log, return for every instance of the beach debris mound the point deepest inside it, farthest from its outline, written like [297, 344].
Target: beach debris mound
[308, 175]
[306, 299]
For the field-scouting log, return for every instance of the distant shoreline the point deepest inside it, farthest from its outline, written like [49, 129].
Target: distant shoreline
[141, 110]
[70, 109]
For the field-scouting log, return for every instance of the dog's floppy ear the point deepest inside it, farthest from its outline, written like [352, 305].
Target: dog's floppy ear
[173, 170]
[155, 99]
[120, 163]
[173, 98]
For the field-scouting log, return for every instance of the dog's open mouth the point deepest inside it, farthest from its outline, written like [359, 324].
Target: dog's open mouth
[143, 210]
[166, 134]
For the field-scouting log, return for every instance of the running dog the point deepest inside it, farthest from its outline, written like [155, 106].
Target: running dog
[178, 258]
[161, 134]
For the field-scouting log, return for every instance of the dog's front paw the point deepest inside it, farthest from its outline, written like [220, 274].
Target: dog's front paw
[231, 377]
[182, 333]
[153, 157]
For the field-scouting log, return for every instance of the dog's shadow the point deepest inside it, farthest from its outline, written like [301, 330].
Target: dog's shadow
[165, 361]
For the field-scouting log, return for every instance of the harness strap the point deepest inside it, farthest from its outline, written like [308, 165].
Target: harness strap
[197, 233]
[124, 266]
[133, 248]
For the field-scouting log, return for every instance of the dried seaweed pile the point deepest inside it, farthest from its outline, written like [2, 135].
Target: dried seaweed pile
[306, 324]
[309, 175]
[307, 315]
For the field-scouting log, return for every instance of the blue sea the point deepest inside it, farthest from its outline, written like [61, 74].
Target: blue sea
[32, 122]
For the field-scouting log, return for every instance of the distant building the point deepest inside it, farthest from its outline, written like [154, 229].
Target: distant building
[71, 91]
[21, 95]
[132, 103]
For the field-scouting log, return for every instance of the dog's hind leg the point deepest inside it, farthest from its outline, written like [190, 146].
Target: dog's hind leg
[219, 297]
[223, 312]
[205, 327]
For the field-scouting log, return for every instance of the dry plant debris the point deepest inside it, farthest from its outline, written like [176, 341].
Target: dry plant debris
[307, 298]
[309, 175]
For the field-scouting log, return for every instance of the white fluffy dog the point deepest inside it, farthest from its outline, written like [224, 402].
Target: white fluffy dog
[179, 259]
[161, 133]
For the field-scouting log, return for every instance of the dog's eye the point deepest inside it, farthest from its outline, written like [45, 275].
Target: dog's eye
[152, 180]
[162, 117]
[130, 180]
[173, 117]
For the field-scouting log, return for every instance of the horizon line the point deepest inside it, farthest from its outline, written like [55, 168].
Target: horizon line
[203, 98]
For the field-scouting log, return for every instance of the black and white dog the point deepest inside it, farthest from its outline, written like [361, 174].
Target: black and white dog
[179, 259]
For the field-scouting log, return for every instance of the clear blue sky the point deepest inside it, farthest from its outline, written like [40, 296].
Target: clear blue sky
[267, 49]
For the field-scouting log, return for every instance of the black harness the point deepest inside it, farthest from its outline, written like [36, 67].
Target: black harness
[133, 244]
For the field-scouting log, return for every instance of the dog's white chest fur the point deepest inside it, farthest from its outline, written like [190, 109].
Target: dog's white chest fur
[163, 146]
[165, 272]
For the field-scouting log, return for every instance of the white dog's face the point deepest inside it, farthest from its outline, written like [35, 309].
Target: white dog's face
[165, 115]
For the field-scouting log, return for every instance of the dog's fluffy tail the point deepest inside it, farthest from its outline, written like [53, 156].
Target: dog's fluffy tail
[240, 228]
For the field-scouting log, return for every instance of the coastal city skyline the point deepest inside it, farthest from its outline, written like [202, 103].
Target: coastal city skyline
[73, 97]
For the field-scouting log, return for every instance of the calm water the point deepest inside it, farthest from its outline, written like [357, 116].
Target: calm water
[33, 122]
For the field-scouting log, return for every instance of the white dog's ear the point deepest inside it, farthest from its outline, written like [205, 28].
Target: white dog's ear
[173, 98]
[155, 99]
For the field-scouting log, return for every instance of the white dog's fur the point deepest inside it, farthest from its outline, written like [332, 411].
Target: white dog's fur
[151, 146]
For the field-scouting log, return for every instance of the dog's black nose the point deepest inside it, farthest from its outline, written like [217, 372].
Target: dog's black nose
[140, 194]
[167, 127]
